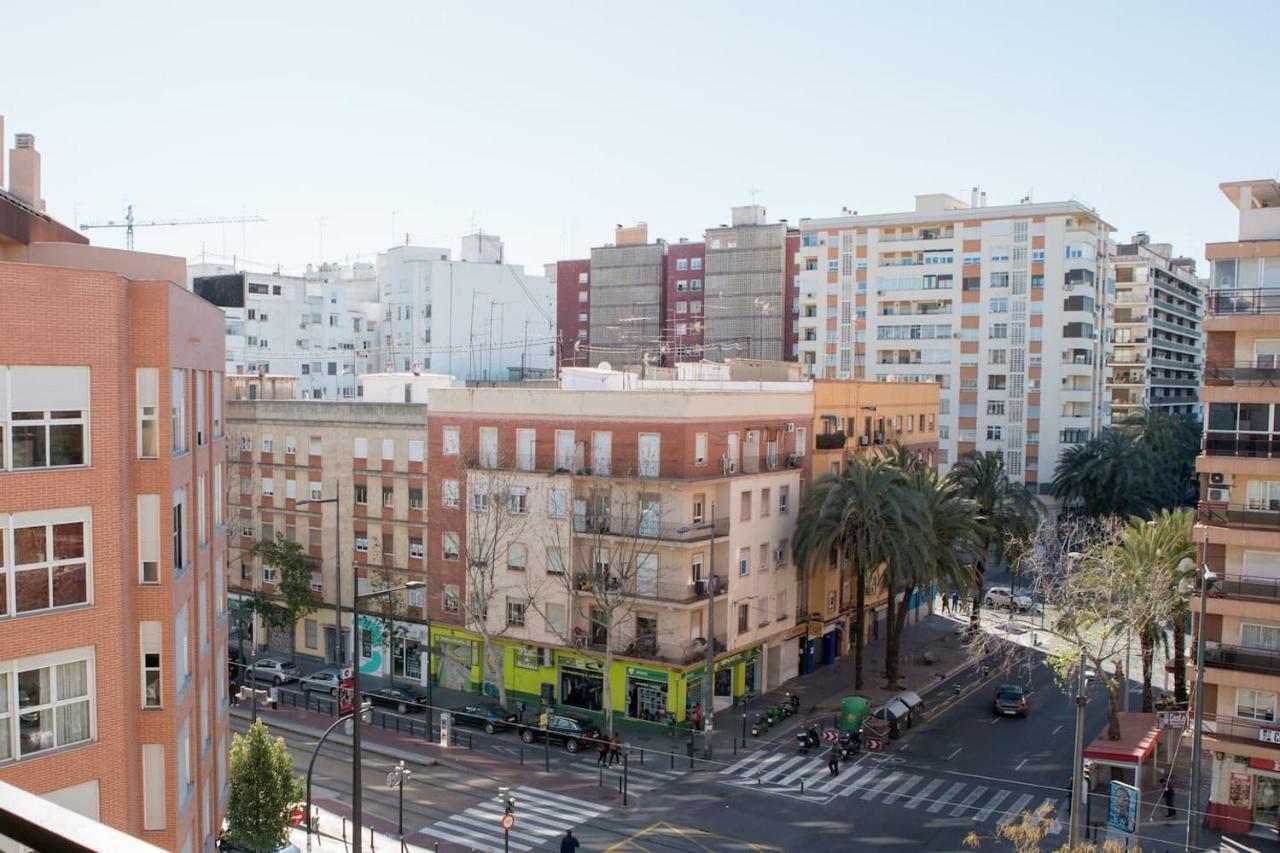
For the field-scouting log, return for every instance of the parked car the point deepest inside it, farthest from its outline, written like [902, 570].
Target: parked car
[275, 670]
[575, 732]
[1010, 701]
[1002, 596]
[489, 716]
[403, 699]
[322, 680]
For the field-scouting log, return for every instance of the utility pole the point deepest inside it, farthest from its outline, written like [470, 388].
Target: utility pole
[1193, 788]
[708, 675]
[1077, 763]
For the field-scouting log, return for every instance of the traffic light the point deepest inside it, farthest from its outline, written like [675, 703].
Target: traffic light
[1088, 774]
[508, 801]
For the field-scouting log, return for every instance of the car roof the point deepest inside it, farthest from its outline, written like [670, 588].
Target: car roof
[1013, 688]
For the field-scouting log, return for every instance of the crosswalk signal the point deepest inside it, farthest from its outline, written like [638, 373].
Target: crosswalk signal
[1088, 774]
[508, 801]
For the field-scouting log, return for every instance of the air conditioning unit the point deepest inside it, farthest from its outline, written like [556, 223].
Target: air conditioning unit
[1220, 479]
[728, 466]
[1219, 496]
[790, 427]
[863, 440]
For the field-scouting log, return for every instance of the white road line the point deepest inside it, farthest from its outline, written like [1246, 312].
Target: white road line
[1058, 729]
[996, 720]
[923, 794]
[954, 754]
[1014, 812]
[488, 825]
[735, 767]
[858, 783]
[946, 797]
[586, 807]
[968, 801]
[1000, 797]
[803, 770]
[911, 782]
[882, 785]
[782, 768]
[455, 833]
[529, 814]
[1020, 763]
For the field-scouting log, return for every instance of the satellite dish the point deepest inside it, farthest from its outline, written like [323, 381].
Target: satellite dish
[604, 365]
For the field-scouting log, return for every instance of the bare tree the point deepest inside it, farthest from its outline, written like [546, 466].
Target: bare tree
[387, 612]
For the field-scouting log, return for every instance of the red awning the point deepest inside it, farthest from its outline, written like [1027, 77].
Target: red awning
[1139, 734]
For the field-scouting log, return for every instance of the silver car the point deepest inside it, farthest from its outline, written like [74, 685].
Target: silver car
[322, 681]
[1002, 596]
[275, 671]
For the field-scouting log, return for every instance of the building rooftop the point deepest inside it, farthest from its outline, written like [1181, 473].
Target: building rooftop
[1264, 192]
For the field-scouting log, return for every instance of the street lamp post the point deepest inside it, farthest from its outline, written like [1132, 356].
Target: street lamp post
[356, 793]
[1207, 579]
[311, 765]
[337, 565]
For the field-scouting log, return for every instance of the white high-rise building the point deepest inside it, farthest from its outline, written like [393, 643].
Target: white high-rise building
[1005, 307]
[476, 318]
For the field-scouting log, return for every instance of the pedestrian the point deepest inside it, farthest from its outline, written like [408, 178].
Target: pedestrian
[520, 709]
[697, 716]
[615, 749]
[1168, 797]
[273, 696]
[833, 759]
[946, 603]
[603, 747]
[568, 844]
[235, 690]
[1071, 785]
[955, 601]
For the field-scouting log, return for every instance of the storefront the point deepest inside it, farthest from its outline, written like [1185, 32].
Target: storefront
[734, 676]
[647, 694]
[409, 656]
[456, 667]
[580, 682]
[1245, 794]
[1264, 799]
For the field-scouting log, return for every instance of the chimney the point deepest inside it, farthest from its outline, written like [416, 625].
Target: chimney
[24, 170]
[983, 199]
[973, 197]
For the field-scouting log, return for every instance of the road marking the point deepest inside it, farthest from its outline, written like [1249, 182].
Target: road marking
[968, 801]
[804, 770]
[911, 782]
[882, 785]
[782, 768]
[1020, 763]
[946, 797]
[920, 796]
[1015, 810]
[734, 768]
[999, 798]
[996, 720]
[856, 785]
[954, 754]
[1058, 729]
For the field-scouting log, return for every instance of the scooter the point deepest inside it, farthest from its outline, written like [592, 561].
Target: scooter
[807, 740]
[850, 744]
[790, 704]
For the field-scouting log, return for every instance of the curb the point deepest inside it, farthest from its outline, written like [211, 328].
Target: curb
[341, 739]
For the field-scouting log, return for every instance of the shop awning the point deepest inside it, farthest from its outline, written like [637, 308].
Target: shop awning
[1139, 735]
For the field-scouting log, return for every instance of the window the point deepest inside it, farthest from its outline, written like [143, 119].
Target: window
[554, 614]
[316, 446]
[415, 499]
[583, 296]
[178, 403]
[696, 283]
[994, 432]
[515, 613]
[601, 453]
[649, 454]
[450, 551]
[218, 511]
[314, 489]
[695, 263]
[695, 307]
[764, 557]
[49, 565]
[148, 390]
[784, 496]
[996, 383]
[743, 616]
[361, 494]
[997, 356]
[682, 285]
[517, 557]
[526, 449]
[416, 450]
[202, 526]
[1260, 636]
[517, 500]
[53, 697]
[389, 449]
[700, 449]
[555, 560]
[699, 508]
[361, 448]
[479, 497]
[601, 562]
[182, 649]
[449, 493]
[362, 544]
[488, 447]
[802, 440]
[216, 398]
[557, 503]
[744, 561]
[745, 505]
[1255, 704]
[150, 640]
[46, 415]
[148, 540]
[999, 306]
[995, 407]
[766, 502]
[998, 331]
[268, 487]
[682, 264]
[565, 445]
[179, 531]
[388, 497]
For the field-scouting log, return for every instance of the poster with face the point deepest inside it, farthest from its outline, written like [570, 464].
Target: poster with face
[1122, 810]
[1241, 790]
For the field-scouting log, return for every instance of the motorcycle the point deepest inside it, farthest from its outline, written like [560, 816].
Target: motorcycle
[791, 704]
[760, 726]
[850, 744]
[808, 740]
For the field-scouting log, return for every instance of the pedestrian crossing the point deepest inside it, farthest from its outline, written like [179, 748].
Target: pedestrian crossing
[887, 781]
[640, 780]
[541, 817]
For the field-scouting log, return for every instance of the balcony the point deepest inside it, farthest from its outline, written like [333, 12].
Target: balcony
[671, 591]
[1251, 445]
[1245, 374]
[1234, 302]
[604, 525]
[1242, 730]
[1233, 515]
[830, 441]
[1242, 659]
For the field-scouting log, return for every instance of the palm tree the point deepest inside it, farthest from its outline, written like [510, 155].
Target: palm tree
[1007, 509]
[864, 518]
[1174, 440]
[1151, 556]
[1112, 473]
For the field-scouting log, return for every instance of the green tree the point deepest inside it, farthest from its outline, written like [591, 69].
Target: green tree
[263, 790]
[1112, 473]
[865, 518]
[1174, 442]
[293, 598]
[1008, 511]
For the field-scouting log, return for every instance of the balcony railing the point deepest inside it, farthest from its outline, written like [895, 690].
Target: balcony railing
[830, 440]
[1243, 373]
[645, 529]
[1242, 659]
[1252, 445]
[1253, 301]
[1243, 729]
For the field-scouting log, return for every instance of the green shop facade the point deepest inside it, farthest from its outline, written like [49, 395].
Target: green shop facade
[643, 691]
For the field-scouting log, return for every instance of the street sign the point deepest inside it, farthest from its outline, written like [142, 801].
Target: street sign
[508, 821]
[393, 778]
[830, 735]
[346, 692]
[446, 728]
[872, 743]
[1176, 720]
[295, 816]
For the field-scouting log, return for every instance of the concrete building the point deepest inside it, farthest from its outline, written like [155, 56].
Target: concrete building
[476, 318]
[112, 546]
[572, 283]
[748, 300]
[372, 457]
[684, 303]
[627, 297]
[543, 503]
[1240, 515]
[1157, 333]
[1004, 307]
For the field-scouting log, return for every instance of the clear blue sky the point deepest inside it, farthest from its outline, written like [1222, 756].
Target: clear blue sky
[550, 123]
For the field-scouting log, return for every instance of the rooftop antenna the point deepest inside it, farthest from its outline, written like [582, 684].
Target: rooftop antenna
[753, 192]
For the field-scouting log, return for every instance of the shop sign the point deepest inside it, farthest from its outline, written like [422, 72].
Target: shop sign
[413, 631]
[1269, 735]
[650, 674]
[526, 658]
[580, 662]
[1176, 720]
[1241, 790]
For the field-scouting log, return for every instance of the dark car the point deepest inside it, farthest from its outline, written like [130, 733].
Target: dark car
[403, 699]
[574, 732]
[1010, 701]
[484, 715]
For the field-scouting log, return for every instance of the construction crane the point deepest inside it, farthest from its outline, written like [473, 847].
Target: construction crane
[130, 223]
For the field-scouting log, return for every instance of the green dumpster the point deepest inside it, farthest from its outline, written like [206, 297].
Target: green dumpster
[852, 711]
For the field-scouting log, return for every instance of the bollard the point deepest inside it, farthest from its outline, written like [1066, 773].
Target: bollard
[735, 745]
[522, 756]
[642, 758]
[619, 786]
[371, 839]
[344, 828]
[673, 759]
[601, 785]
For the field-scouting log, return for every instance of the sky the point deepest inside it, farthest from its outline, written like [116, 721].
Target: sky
[348, 126]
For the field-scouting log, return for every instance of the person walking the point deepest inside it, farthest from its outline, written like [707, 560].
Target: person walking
[521, 707]
[568, 844]
[833, 759]
[946, 603]
[955, 601]
[603, 747]
[697, 716]
[273, 696]
[615, 749]
[1168, 796]
[235, 690]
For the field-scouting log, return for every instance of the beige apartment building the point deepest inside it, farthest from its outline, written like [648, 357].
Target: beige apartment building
[1240, 514]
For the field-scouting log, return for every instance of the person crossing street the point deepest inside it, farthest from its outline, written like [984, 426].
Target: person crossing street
[833, 759]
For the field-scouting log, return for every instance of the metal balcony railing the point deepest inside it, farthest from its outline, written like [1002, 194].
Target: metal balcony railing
[1252, 445]
[604, 525]
[1252, 301]
[1243, 373]
[1243, 729]
[1234, 515]
[1242, 659]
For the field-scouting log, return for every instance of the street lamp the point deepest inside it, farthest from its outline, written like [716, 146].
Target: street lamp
[1206, 580]
[356, 822]
[337, 565]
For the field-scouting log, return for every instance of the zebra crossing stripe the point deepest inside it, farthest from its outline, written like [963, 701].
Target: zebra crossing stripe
[805, 769]
[861, 783]
[586, 807]
[528, 814]
[955, 788]
[782, 768]
[911, 782]
[1014, 812]
[968, 801]
[520, 834]
[923, 794]
[742, 762]
[1000, 797]
[452, 832]
[882, 785]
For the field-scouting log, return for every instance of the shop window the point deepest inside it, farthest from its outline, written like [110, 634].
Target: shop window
[581, 688]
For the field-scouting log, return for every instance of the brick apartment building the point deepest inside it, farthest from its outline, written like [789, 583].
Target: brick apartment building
[112, 562]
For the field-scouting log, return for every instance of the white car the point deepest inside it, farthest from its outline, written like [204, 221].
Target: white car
[1002, 596]
[275, 671]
